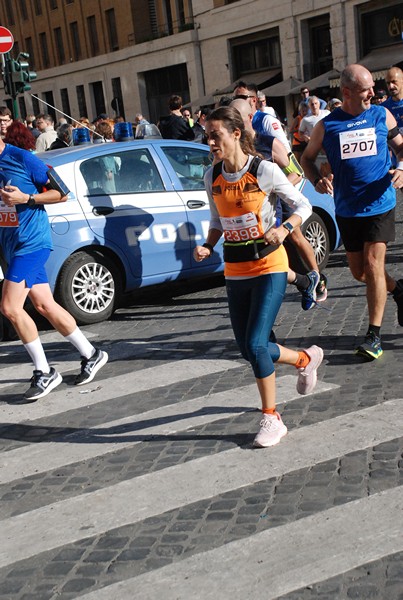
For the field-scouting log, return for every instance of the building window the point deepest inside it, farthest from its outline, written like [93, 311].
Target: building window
[23, 10]
[69, 1]
[75, 40]
[49, 103]
[112, 31]
[30, 49]
[10, 12]
[316, 32]
[158, 82]
[82, 105]
[38, 7]
[256, 52]
[64, 95]
[379, 28]
[53, 4]
[98, 98]
[93, 35]
[168, 17]
[59, 45]
[43, 43]
[117, 97]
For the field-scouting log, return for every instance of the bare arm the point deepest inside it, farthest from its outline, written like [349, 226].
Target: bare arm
[303, 131]
[279, 153]
[12, 195]
[323, 184]
[396, 144]
[295, 125]
[201, 252]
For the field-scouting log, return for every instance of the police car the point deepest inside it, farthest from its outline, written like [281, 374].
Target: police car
[135, 212]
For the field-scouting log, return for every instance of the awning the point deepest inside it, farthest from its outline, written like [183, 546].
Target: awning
[378, 62]
[259, 79]
[321, 80]
[283, 88]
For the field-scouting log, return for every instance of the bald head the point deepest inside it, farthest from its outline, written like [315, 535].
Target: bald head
[394, 82]
[357, 87]
[354, 76]
[244, 108]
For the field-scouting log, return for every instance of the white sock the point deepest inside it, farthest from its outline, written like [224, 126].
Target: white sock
[37, 354]
[79, 341]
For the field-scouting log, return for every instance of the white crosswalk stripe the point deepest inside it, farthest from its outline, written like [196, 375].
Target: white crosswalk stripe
[266, 559]
[163, 421]
[59, 524]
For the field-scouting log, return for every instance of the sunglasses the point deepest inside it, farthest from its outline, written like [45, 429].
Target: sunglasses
[305, 92]
[244, 96]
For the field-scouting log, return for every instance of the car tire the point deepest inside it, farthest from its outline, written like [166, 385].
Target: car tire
[316, 232]
[89, 287]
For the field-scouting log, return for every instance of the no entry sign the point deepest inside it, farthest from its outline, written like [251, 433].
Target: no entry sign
[6, 40]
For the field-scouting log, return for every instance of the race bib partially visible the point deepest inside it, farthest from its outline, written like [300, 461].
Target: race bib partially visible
[241, 228]
[361, 142]
[8, 216]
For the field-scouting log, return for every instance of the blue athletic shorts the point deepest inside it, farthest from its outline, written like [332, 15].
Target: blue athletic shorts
[30, 268]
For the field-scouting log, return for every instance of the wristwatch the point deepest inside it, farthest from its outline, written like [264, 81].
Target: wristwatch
[31, 201]
[288, 227]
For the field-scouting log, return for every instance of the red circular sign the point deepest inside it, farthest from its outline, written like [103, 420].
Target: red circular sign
[6, 40]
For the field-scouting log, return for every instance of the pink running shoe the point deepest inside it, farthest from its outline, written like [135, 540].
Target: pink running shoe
[308, 376]
[272, 429]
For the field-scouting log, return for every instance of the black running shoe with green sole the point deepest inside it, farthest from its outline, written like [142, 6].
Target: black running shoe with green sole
[371, 347]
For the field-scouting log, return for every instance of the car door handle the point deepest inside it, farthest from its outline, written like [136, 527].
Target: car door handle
[102, 210]
[195, 203]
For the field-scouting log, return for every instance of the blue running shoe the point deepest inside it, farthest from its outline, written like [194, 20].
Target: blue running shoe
[308, 299]
[371, 347]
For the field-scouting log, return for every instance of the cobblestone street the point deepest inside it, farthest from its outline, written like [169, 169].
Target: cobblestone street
[144, 483]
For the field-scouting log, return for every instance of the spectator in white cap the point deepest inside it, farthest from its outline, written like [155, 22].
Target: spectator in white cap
[333, 103]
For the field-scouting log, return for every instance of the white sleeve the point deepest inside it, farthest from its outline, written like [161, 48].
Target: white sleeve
[215, 222]
[273, 127]
[40, 145]
[271, 179]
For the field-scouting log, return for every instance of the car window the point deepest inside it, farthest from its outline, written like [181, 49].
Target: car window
[189, 164]
[129, 172]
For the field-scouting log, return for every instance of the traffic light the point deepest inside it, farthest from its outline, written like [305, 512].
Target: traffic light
[21, 76]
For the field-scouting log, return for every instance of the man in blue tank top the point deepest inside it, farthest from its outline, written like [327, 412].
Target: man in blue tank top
[356, 138]
[394, 82]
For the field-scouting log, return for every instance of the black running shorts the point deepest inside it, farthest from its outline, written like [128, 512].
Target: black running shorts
[355, 231]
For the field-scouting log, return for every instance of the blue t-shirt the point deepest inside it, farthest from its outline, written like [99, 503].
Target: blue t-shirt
[396, 108]
[358, 154]
[23, 169]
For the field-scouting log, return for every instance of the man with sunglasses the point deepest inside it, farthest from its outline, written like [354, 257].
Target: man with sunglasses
[263, 123]
[305, 96]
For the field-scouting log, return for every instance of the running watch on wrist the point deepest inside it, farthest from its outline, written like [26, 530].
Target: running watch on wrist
[31, 200]
[288, 227]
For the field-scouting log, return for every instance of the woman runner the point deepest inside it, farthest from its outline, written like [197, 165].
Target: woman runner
[242, 207]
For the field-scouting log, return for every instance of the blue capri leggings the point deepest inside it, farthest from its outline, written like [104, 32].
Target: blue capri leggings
[253, 307]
